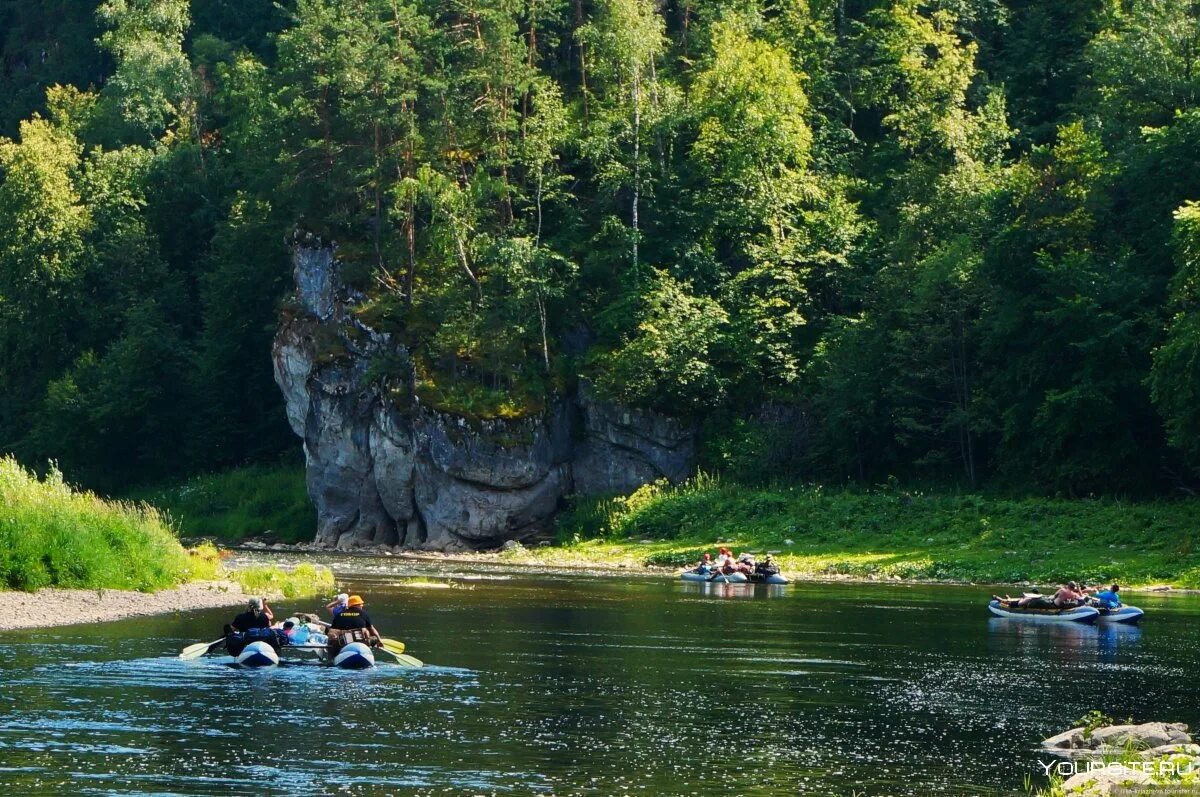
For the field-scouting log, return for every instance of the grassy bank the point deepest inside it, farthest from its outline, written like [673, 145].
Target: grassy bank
[52, 535]
[304, 581]
[888, 533]
[240, 503]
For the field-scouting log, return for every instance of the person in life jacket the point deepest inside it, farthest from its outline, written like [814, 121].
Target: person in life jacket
[252, 625]
[257, 615]
[353, 624]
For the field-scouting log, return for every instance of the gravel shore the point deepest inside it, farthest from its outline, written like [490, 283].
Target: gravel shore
[50, 607]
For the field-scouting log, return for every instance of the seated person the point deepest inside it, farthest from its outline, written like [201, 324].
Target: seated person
[1068, 596]
[338, 604]
[767, 567]
[1028, 600]
[1109, 598]
[724, 561]
[353, 624]
[704, 566]
[745, 564]
[254, 624]
[257, 615]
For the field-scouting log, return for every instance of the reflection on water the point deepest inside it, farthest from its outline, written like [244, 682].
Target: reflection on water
[571, 685]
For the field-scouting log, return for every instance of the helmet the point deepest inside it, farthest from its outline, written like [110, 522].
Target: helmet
[354, 601]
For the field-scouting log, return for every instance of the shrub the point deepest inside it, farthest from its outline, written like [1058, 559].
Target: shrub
[52, 535]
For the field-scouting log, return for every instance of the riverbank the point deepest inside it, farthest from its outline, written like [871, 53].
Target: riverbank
[54, 536]
[885, 533]
[888, 534]
[57, 607]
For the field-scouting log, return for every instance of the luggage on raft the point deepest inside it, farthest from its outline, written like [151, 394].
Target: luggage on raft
[237, 641]
[1074, 614]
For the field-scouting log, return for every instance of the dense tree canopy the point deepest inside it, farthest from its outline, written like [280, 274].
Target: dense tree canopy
[958, 238]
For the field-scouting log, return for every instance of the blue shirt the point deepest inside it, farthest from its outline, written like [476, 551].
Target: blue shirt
[1109, 598]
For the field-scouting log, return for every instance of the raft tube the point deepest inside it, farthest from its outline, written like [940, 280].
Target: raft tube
[1079, 614]
[355, 656]
[732, 578]
[777, 578]
[258, 654]
[1129, 615]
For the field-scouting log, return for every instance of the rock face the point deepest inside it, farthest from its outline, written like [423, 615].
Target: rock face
[385, 470]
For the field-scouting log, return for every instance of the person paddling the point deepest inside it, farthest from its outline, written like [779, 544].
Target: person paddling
[1109, 598]
[353, 624]
[257, 615]
[1068, 596]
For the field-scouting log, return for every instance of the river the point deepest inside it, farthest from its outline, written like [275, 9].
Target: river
[568, 684]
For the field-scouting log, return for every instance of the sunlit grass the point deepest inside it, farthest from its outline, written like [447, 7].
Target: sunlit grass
[53, 535]
[887, 533]
[304, 581]
[240, 503]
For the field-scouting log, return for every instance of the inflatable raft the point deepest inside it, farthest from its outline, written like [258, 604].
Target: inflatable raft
[733, 578]
[714, 578]
[1078, 614]
[257, 654]
[1128, 615]
[355, 656]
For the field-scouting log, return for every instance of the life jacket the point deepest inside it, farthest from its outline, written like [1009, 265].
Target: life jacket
[236, 641]
[340, 638]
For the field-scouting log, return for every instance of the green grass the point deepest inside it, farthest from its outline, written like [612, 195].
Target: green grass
[887, 533]
[302, 582]
[240, 503]
[54, 536]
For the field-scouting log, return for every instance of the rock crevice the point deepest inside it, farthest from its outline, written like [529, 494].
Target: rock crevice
[385, 470]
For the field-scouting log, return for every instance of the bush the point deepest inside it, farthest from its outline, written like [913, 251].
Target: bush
[306, 580]
[240, 503]
[54, 536]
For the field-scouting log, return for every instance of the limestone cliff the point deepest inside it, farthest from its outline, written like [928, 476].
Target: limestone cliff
[384, 469]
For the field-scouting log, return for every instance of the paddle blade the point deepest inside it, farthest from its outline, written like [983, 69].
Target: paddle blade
[199, 649]
[393, 646]
[409, 661]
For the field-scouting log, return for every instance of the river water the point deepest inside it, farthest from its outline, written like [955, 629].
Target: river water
[565, 684]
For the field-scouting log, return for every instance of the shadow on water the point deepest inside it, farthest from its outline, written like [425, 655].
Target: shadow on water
[576, 685]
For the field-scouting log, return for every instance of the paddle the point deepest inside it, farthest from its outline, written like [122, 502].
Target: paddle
[200, 648]
[396, 649]
[393, 646]
[402, 659]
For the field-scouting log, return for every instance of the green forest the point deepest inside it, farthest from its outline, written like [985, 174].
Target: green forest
[950, 241]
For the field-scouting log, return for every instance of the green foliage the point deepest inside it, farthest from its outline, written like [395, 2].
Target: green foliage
[887, 532]
[303, 581]
[668, 362]
[54, 536]
[239, 503]
[939, 232]
[1175, 380]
